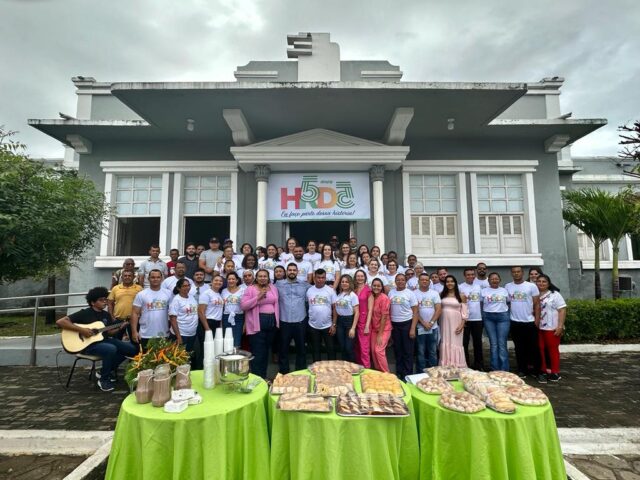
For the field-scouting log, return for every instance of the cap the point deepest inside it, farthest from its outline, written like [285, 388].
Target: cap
[214, 240]
[228, 240]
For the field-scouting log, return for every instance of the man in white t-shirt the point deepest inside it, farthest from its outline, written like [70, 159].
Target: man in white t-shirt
[149, 315]
[404, 318]
[305, 269]
[481, 276]
[525, 318]
[169, 283]
[473, 326]
[321, 299]
[209, 258]
[429, 310]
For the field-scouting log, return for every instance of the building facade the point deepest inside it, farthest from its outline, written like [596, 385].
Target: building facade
[455, 173]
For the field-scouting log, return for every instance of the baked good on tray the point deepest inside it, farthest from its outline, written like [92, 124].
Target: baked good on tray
[468, 375]
[482, 388]
[462, 402]
[381, 382]
[333, 383]
[333, 365]
[447, 373]
[290, 384]
[526, 395]
[500, 402]
[434, 386]
[370, 404]
[506, 379]
[304, 402]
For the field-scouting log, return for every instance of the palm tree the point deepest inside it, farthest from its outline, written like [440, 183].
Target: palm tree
[603, 215]
[580, 207]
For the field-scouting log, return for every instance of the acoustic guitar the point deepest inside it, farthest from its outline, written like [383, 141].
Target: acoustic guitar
[74, 342]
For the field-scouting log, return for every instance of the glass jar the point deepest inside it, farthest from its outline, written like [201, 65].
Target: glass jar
[144, 386]
[183, 377]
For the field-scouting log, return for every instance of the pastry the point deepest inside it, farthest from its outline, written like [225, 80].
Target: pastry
[469, 375]
[290, 384]
[447, 373]
[482, 388]
[526, 395]
[500, 402]
[333, 383]
[381, 382]
[334, 365]
[303, 402]
[506, 379]
[435, 386]
[366, 404]
[462, 402]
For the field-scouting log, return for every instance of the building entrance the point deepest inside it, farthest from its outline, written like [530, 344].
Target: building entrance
[319, 231]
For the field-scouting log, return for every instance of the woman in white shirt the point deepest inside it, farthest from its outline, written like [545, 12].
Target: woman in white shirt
[346, 313]
[183, 314]
[329, 264]
[351, 266]
[496, 321]
[391, 272]
[312, 256]
[211, 305]
[232, 315]
[553, 313]
[270, 260]
[374, 272]
[343, 253]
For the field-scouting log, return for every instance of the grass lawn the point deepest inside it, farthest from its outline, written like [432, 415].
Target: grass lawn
[17, 325]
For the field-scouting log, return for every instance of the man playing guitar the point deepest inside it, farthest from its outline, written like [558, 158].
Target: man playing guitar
[111, 350]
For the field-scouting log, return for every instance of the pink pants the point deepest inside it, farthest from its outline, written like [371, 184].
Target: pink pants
[549, 344]
[363, 352]
[379, 352]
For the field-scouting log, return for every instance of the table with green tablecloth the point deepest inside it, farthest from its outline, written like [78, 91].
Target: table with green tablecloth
[225, 437]
[326, 446]
[487, 444]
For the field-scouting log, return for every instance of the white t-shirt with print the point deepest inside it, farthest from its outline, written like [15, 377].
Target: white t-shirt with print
[154, 307]
[186, 312]
[320, 302]
[312, 257]
[350, 271]
[268, 264]
[438, 287]
[521, 298]
[427, 302]
[232, 300]
[379, 275]
[329, 266]
[473, 293]
[494, 300]
[391, 279]
[401, 303]
[550, 303]
[481, 283]
[214, 302]
[304, 269]
[345, 302]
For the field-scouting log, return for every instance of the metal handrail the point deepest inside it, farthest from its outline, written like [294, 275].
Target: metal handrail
[36, 308]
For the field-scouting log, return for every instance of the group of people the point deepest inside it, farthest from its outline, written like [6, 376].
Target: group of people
[348, 298]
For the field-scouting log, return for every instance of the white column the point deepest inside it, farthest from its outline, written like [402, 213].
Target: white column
[376, 174]
[262, 178]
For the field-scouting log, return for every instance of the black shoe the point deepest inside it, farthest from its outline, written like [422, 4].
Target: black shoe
[554, 377]
[112, 376]
[522, 374]
[106, 385]
[542, 378]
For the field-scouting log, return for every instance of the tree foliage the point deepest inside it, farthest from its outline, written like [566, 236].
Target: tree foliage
[630, 141]
[48, 217]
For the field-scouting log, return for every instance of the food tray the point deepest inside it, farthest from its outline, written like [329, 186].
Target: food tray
[387, 378]
[461, 402]
[363, 401]
[291, 396]
[434, 386]
[526, 395]
[448, 373]
[500, 402]
[506, 379]
[333, 365]
[299, 384]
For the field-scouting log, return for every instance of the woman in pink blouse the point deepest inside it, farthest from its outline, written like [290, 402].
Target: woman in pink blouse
[260, 304]
[362, 347]
[380, 324]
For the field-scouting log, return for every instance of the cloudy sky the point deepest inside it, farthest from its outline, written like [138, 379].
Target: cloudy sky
[589, 42]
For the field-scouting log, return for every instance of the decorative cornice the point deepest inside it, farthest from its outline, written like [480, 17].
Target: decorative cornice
[262, 173]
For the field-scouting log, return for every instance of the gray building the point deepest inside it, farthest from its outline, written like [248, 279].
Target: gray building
[455, 173]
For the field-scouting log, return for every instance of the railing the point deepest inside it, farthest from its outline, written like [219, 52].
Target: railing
[37, 308]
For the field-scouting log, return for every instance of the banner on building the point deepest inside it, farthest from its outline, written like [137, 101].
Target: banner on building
[333, 196]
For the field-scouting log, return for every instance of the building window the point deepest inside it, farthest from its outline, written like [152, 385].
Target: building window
[501, 212]
[586, 248]
[137, 202]
[206, 207]
[434, 214]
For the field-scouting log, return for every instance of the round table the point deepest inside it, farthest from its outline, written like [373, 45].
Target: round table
[487, 444]
[326, 446]
[225, 437]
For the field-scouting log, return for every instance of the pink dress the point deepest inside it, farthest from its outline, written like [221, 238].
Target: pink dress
[451, 350]
[362, 350]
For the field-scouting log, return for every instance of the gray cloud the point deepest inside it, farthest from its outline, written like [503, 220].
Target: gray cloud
[588, 42]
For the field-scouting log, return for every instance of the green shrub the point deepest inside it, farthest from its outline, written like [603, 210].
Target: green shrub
[595, 321]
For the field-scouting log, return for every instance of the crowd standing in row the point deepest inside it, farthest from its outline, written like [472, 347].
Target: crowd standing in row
[348, 298]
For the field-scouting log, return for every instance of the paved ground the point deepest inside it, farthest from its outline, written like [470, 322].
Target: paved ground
[36, 467]
[608, 467]
[596, 391]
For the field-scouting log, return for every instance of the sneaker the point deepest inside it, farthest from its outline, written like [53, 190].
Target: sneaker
[554, 377]
[542, 378]
[112, 376]
[106, 385]
[522, 374]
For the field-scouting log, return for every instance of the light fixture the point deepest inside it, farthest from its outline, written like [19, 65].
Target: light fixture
[451, 123]
[191, 124]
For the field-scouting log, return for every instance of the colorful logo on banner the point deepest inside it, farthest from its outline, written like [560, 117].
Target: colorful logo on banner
[319, 197]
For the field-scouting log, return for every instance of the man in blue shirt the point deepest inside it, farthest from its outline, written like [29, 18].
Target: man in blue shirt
[292, 294]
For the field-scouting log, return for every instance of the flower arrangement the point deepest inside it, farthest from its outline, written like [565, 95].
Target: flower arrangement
[159, 350]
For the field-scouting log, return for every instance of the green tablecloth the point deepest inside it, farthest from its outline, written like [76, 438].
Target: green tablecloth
[225, 437]
[486, 445]
[329, 447]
